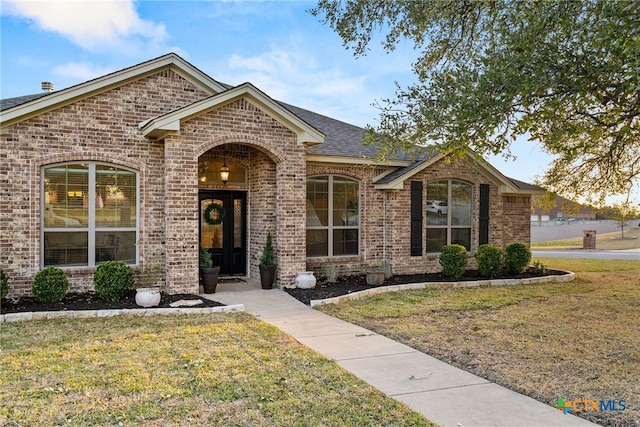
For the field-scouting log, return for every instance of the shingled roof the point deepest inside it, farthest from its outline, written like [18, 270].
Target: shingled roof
[7, 103]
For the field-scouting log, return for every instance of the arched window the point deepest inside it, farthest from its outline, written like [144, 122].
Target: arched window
[333, 216]
[449, 212]
[89, 214]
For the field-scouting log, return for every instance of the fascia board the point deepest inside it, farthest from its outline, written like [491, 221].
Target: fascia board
[398, 183]
[319, 158]
[104, 83]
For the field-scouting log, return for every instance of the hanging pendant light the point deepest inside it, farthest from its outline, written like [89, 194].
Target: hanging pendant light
[224, 173]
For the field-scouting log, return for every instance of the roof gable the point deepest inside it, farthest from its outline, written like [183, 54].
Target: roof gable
[395, 180]
[171, 122]
[35, 105]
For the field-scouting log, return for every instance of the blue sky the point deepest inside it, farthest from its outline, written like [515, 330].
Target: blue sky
[276, 45]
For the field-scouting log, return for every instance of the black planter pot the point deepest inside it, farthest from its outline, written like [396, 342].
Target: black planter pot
[267, 276]
[209, 279]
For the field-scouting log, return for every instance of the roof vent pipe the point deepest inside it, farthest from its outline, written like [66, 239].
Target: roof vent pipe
[47, 86]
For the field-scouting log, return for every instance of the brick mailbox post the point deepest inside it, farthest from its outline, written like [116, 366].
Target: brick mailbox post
[589, 239]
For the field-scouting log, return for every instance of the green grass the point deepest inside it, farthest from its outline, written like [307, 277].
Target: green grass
[577, 340]
[175, 371]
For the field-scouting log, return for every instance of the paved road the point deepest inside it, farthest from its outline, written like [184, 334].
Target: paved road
[631, 254]
[565, 230]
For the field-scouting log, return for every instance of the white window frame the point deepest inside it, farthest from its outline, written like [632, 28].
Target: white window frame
[330, 227]
[91, 228]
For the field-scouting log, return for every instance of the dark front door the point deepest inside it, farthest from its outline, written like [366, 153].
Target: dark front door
[226, 237]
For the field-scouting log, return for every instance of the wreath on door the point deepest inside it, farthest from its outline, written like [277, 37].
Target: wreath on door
[217, 217]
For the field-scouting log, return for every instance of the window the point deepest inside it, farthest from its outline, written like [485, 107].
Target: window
[449, 214]
[333, 216]
[89, 214]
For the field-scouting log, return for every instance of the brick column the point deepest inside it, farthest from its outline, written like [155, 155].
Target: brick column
[180, 204]
[291, 216]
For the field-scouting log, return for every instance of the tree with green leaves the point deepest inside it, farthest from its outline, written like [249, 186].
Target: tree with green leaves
[565, 73]
[622, 212]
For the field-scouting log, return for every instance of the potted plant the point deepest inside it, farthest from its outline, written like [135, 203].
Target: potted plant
[147, 294]
[268, 264]
[208, 273]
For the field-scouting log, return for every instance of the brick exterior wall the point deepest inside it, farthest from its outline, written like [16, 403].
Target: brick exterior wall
[386, 219]
[104, 128]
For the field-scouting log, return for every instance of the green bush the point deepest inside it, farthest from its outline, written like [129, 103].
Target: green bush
[268, 255]
[112, 279]
[205, 258]
[517, 257]
[50, 285]
[453, 259]
[489, 260]
[4, 284]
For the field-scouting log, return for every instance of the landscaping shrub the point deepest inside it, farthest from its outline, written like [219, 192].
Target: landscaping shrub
[50, 285]
[4, 284]
[517, 257]
[453, 259]
[539, 268]
[112, 279]
[489, 260]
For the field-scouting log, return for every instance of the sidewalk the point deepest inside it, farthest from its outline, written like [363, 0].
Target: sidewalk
[442, 393]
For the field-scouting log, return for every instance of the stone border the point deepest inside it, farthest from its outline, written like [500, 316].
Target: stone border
[131, 312]
[568, 277]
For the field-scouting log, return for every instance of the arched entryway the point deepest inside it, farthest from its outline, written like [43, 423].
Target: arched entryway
[223, 229]
[223, 187]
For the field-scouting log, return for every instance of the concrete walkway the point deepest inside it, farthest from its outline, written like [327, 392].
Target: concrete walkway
[442, 393]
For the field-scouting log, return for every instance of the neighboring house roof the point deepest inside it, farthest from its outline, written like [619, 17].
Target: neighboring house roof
[328, 139]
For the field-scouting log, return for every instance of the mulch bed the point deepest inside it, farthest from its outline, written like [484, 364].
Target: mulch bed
[90, 301]
[343, 286]
[350, 284]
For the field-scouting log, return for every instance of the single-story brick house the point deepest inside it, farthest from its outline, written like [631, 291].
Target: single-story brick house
[123, 167]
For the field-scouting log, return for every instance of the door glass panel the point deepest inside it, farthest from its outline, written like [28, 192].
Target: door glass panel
[211, 234]
[237, 223]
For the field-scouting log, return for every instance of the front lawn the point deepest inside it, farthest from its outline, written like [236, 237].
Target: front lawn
[578, 340]
[176, 371]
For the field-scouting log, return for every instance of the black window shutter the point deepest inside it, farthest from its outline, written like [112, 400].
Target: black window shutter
[484, 215]
[416, 218]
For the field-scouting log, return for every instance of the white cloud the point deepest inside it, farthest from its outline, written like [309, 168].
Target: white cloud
[296, 77]
[80, 71]
[93, 25]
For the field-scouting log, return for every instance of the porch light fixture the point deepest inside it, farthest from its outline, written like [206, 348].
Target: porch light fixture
[224, 173]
